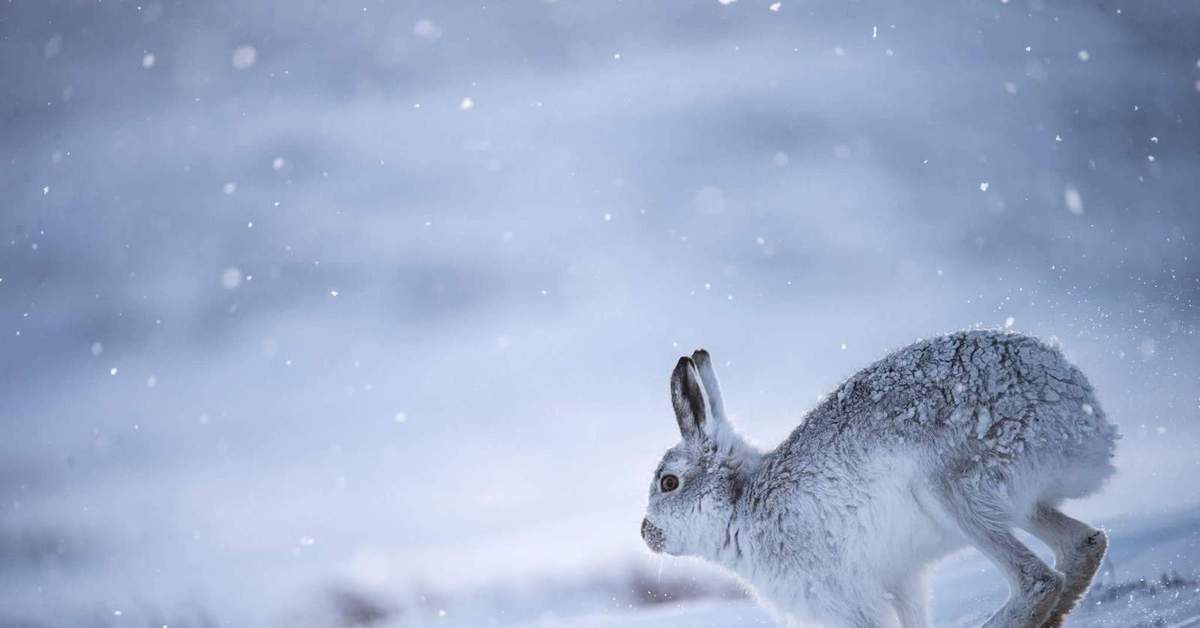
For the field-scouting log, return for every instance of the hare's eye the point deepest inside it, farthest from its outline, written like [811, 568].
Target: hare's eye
[668, 483]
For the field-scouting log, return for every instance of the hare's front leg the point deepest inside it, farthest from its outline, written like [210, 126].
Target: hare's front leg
[856, 603]
[1034, 588]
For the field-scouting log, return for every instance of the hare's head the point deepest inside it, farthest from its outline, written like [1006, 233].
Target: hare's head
[699, 481]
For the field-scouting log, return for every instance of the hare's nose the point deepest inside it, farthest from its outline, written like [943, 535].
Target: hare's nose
[653, 536]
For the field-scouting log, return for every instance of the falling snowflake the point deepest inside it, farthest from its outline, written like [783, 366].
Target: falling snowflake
[1073, 200]
[426, 29]
[244, 57]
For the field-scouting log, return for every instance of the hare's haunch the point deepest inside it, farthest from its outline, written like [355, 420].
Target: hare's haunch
[949, 442]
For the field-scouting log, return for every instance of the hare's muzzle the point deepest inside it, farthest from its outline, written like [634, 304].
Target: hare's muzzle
[654, 537]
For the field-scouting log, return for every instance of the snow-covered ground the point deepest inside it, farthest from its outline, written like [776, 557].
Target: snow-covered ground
[1150, 580]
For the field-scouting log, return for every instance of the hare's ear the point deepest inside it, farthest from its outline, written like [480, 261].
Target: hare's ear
[687, 395]
[716, 406]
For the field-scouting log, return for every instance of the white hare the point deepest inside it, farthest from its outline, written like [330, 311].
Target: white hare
[949, 442]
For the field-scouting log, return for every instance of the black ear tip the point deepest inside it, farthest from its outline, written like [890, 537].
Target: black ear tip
[700, 355]
[684, 369]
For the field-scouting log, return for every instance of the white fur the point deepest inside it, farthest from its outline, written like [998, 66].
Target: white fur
[949, 442]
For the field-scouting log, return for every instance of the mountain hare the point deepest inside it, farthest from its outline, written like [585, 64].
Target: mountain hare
[949, 442]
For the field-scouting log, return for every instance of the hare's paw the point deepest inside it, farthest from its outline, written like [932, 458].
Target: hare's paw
[1078, 551]
[1032, 604]
[1080, 564]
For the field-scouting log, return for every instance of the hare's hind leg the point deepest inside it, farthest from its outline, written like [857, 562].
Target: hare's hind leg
[1034, 588]
[1078, 551]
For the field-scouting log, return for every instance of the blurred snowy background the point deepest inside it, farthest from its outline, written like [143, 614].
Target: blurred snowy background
[324, 313]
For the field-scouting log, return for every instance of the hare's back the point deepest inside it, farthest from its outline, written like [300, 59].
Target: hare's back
[991, 395]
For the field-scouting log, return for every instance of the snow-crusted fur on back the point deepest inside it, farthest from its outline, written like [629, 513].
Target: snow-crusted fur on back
[948, 442]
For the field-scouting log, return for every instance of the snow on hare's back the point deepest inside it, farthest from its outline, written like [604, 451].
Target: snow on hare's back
[1001, 402]
[949, 442]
